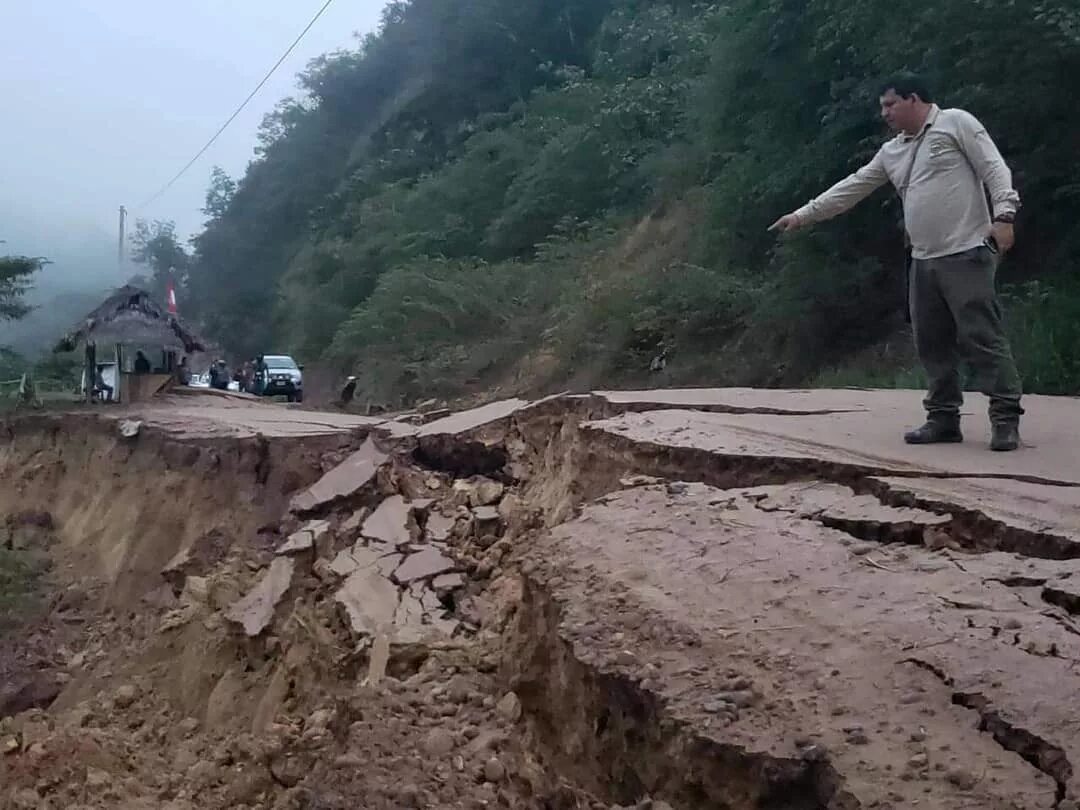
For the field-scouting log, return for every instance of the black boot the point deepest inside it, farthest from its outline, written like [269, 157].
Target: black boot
[936, 431]
[1004, 436]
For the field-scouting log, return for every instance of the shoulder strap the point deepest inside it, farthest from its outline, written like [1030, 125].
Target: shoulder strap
[911, 166]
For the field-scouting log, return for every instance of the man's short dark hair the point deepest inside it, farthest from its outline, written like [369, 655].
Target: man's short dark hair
[907, 85]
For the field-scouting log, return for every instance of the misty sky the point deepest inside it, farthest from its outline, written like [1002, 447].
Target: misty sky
[102, 101]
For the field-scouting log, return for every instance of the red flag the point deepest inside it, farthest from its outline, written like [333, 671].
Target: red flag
[172, 298]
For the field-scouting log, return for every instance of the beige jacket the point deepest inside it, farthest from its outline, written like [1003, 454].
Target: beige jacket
[945, 207]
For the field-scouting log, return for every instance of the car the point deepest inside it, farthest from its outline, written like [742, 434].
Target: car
[284, 377]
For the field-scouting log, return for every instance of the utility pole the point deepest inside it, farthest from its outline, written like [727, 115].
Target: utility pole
[120, 243]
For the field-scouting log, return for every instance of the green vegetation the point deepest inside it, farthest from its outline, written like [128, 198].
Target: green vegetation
[19, 577]
[490, 194]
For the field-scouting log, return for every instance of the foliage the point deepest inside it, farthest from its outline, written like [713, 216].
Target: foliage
[456, 194]
[156, 247]
[16, 278]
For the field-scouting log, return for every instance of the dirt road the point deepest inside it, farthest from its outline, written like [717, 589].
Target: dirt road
[713, 598]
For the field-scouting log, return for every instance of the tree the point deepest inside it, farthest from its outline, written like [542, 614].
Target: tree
[156, 247]
[220, 194]
[16, 273]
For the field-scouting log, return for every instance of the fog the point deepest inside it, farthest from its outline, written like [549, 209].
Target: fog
[103, 102]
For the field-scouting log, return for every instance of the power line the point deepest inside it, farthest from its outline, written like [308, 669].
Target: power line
[239, 109]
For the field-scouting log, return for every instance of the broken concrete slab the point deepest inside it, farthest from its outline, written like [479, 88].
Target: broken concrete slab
[423, 565]
[350, 527]
[467, 421]
[447, 583]
[354, 559]
[255, 611]
[390, 523]
[305, 538]
[438, 527]
[344, 481]
[369, 602]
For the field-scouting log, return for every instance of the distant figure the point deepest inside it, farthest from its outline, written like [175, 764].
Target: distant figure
[219, 376]
[183, 372]
[262, 374]
[348, 391]
[101, 387]
[142, 365]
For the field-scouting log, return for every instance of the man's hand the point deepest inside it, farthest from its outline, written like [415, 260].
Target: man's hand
[1004, 235]
[788, 222]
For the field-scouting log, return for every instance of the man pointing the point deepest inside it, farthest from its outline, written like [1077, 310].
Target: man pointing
[942, 162]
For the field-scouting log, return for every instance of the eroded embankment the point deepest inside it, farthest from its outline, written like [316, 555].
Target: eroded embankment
[524, 609]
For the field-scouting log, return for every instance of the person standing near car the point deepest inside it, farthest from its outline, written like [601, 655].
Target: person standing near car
[942, 162]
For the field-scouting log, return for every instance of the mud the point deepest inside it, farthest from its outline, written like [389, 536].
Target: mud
[684, 599]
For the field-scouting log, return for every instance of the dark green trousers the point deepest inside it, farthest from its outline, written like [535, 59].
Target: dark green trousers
[956, 316]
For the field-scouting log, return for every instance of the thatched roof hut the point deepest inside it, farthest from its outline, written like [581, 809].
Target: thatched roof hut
[132, 316]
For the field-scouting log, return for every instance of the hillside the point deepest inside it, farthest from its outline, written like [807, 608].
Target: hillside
[494, 195]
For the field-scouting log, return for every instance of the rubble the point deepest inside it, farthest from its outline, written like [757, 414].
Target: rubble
[369, 600]
[306, 538]
[256, 610]
[423, 565]
[342, 482]
[390, 522]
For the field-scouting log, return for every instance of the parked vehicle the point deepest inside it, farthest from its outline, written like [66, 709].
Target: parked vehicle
[283, 377]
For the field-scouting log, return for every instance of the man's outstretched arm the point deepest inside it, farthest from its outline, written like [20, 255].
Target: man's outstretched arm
[842, 197]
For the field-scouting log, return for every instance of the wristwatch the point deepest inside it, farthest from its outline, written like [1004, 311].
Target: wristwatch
[1008, 218]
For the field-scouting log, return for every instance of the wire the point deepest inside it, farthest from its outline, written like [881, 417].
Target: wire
[239, 109]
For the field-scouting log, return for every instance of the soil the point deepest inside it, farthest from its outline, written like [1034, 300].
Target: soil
[678, 599]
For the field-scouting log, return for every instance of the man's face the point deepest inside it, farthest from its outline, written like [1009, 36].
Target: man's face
[898, 112]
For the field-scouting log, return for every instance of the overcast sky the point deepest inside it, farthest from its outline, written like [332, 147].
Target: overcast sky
[103, 101]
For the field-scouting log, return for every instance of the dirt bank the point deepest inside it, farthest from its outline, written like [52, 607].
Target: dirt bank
[612, 600]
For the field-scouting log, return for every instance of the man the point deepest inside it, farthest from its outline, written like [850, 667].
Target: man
[142, 364]
[100, 386]
[941, 162]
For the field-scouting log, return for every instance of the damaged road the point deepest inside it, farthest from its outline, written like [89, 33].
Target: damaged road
[710, 598]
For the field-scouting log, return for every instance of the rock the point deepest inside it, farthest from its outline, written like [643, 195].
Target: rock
[324, 570]
[1068, 804]
[288, 771]
[72, 598]
[486, 492]
[494, 770]
[198, 559]
[390, 522]
[422, 565]
[197, 590]
[129, 428]
[9, 745]
[486, 518]
[344, 481]
[509, 708]
[919, 735]
[961, 778]
[350, 761]
[256, 610]
[369, 602]
[438, 742]
[918, 762]
[125, 696]
[188, 726]
[97, 779]
[25, 799]
[34, 692]
[814, 753]
[1013, 623]
[856, 735]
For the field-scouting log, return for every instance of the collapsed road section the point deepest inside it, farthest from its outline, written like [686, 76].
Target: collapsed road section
[677, 599]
